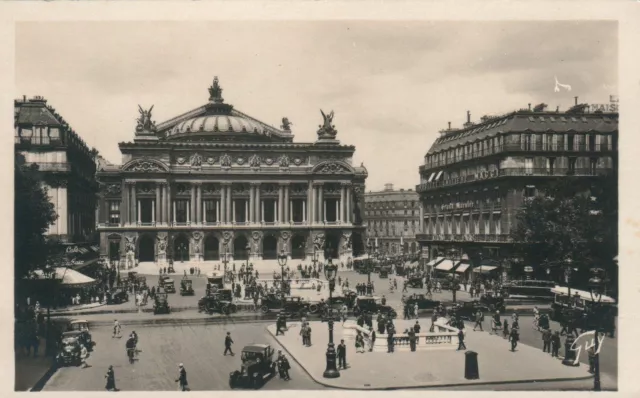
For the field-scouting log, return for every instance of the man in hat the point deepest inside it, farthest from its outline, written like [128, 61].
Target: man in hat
[479, 318]
[111, 379]
[342, 355]
[182, 379]
[461, 345]
[283, 366]
[228, 341]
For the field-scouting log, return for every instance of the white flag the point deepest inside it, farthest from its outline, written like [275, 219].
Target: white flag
[558, 85]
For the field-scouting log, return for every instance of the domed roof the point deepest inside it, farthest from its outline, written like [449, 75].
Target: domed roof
[218, 123]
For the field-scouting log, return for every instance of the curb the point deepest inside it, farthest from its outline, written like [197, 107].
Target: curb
[150, 322]
[45, 378]
[429, 386]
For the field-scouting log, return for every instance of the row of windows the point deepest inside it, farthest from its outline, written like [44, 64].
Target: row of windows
[463, 225]
[386, 213]
[390, 204]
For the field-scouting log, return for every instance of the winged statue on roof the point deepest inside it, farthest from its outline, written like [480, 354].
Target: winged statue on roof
[144, 120]
[327, 129]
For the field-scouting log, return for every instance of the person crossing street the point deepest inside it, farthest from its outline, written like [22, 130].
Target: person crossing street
[228, 341]
[183, 385]
[479, 319]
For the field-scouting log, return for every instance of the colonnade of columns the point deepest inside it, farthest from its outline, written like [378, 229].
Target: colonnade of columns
[163, 204]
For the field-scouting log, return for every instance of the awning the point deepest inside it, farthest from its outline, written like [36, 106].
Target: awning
[439, 175]
[463, 267]
[435, 261]
[484, 268]
[431, 177]
[446, 265]
[69, 277]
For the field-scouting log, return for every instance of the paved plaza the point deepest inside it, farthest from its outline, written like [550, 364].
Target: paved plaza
[437, 368]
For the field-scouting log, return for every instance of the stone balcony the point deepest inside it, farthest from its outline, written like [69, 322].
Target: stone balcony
[481, 238]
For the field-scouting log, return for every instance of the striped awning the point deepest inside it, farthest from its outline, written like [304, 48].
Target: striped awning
[463, 267]
[446, 265]
[435, 261]
[484, 268]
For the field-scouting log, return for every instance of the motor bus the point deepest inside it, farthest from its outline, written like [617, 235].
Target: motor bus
[531, 289]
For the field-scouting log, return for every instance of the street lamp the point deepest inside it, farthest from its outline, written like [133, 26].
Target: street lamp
[314, 258]
[369, 251]
[330, 272]
[454, 284]
[225, 261]
[596, 287]
[282, 261]
[248, 249]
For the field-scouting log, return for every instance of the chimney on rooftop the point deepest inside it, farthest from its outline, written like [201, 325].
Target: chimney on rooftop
[576, 98]
[529, 105]
[449, 125]
[468, 117]
[24, 98]
[388, 187]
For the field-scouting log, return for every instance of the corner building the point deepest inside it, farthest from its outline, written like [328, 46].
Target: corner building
[475, 179]
[215, 180]
[392, 219]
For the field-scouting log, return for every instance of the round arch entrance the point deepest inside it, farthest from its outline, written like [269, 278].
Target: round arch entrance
[405, 248]
[114, 248]
[270, 247]
[240, 251]
[298, 243]
[211, 248]
[332, 245]
[181, 248]
[146, 249]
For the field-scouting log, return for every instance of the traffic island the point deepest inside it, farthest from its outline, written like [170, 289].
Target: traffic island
[436, 366]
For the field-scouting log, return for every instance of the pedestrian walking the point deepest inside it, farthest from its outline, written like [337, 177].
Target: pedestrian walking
[372, 339]
[111, 379]
[228, 341]
[461, 345]
[505, 328]
[415, 310]
[359, 343]
[479, 319]
[283, 366]
[513, 338]
[555, 344]
[116, 329]
[182, 379]
[342, 355]
[546, 340]
[84, 354]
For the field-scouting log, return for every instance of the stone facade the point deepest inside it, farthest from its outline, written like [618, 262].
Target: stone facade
[392, 219]
[215, 180]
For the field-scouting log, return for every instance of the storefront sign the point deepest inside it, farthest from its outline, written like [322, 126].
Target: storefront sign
[73, 249]
[459, 205]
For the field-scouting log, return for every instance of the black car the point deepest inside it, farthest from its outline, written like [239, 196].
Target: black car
[118, 297]
[219, 301]
[257, 366]
[415, 282]
[372, 305]
[467, 310]
[290, 305]
[348, 298]
[424, 303]
[493, 302]
[161, 304]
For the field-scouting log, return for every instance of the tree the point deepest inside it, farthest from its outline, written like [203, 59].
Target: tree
[573, 219]
[33, 214]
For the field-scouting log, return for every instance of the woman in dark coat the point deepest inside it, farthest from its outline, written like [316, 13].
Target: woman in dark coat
[111, 379]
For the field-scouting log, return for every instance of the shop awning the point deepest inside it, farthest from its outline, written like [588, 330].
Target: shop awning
[439, 175]
[69, 277]
[445, 265]
[431, 177]
[435, 261]
[484, 268]
[463, 267]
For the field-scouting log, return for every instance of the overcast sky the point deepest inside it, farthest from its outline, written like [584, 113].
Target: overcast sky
[392, 85]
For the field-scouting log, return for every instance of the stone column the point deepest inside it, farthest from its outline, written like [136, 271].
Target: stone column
[252, 203]
[337, 211]
[139, 212]
[262, 212]
[276, 212]
[134, 204]
[304, 211]
[287, 205]
[258, 207]
[153, 211]
[246, 210]
[308, 206]
[218, 211]
[280, 218]
[174, 212]
[199, 203]
[348, 205]
[192, 206]
[223, 199]
[124, 219]
[233, 211]
[158, 205]
[229, 199]
[421, 224]
[321, 207]
[341, 216]
[169, 202]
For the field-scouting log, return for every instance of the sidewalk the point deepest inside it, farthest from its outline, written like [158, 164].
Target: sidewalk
[30, 370]
[439, 368]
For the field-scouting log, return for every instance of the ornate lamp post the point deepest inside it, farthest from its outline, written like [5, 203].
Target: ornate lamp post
[314, 258]
[282, 261]
[454, 284]
[225, 261]
[248, 249]
[369, 251]
[330, 272]
[596, 288]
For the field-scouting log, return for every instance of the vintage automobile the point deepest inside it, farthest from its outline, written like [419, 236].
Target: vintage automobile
[493, 302]
[348, 298]
[383, 274]
[290, 306]
[220, 301]
[119, 296]
[415, 282]
[81, 326]
[467, 310]
[69, 353]
[576, 307]
[169, 286]
[257, 366]
[424, 303]
[161, 304]
[186, 287]
[372, 304]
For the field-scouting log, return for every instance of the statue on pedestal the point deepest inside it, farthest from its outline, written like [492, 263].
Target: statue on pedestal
[327, 130]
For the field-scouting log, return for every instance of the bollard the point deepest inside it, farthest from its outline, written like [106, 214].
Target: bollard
[471, 371]
[569, 354]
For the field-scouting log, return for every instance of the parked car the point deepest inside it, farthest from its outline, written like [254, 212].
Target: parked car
[424, 303]
[372, 304]
[415, 282]
[290, 305]
[493, 302]
[118, 297]
[186, 287]
[257, 366]
[467, 310]
[69, 352]
[219, 301]
[169, 286]
[161, 304]
[82, 327]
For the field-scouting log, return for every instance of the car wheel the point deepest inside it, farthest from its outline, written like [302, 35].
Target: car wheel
[313, 308]
[264, 309]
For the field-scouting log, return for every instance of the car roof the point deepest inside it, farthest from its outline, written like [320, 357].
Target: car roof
[259, 348]
[78, 321]
[71, 333]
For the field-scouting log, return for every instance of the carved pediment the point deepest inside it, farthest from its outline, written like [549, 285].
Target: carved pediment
[332, 168]
[145, 166]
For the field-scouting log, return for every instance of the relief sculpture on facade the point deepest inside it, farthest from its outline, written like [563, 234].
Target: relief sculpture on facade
[346, 242]
[254, 161]
[333, 168]
[285, 236]
[162, 244]
[318, 242]
[196, 161]
[256, 237]
[130, 250]
[197, 239]
[225, 160]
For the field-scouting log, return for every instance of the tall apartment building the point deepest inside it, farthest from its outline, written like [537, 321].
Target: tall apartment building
[392, 219]
[474, 179]
[43, 137]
